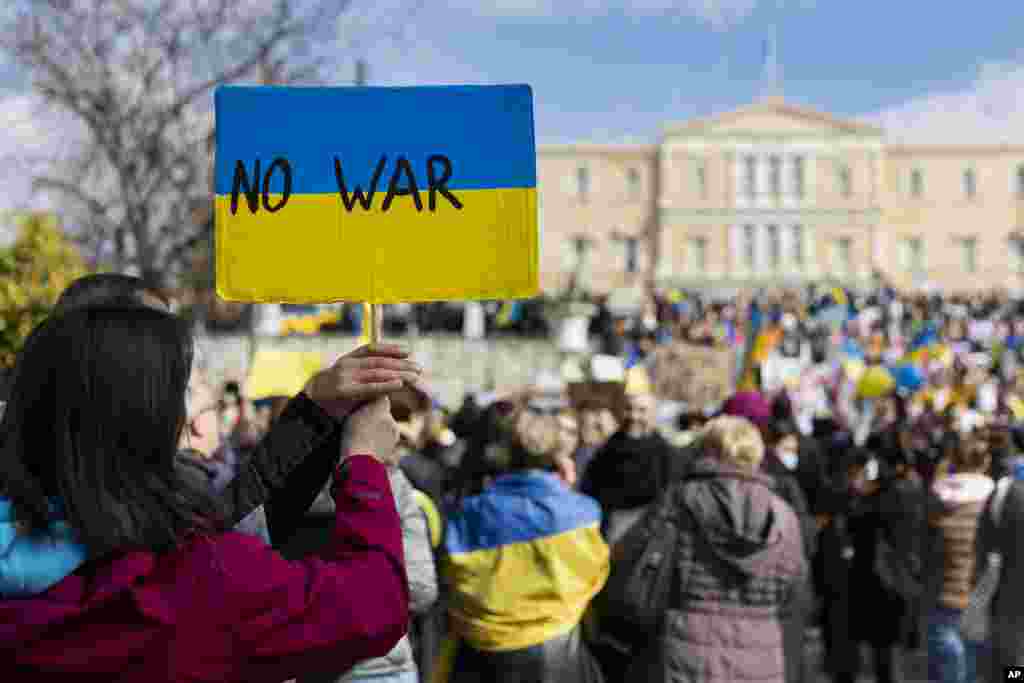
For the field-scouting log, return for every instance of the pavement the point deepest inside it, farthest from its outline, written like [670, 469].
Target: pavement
[911, 667]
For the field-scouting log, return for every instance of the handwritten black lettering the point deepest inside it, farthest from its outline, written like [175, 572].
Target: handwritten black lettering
[252, 192]
[365, 200]
[286, 169]
[440, 184]
[402, 166]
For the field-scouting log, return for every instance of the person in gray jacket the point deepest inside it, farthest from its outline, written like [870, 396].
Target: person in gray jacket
[399, 665]
[1007, 619]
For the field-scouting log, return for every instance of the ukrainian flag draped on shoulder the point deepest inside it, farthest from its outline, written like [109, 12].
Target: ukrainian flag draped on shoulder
[524, 559]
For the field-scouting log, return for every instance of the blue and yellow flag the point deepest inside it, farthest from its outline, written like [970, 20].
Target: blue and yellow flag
[380, 195]
[523, 560]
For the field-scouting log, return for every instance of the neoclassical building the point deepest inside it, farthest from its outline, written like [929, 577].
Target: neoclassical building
[776, 193]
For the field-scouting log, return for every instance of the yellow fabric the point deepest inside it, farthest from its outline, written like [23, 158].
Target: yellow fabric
[1016, 406]
[432, 515]
[523, 594]
[638, 383]
[315, 251]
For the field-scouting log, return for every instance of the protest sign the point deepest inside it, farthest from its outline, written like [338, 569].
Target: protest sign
[609, 395]
[378, 195]
[695, 375]
[281, 373]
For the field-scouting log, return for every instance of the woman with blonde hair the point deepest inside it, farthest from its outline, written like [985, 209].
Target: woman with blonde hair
[737, 562]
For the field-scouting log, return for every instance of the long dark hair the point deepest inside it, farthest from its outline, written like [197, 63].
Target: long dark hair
[94, 418]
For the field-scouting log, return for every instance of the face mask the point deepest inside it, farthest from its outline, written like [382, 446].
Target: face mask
[789, 458]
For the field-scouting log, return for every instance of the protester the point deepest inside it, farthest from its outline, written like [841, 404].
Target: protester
[630, 470]
[213, 460]
[314, 533]
[89, 444]
[954, 508]
[781, 461]
[522, 561]
[597, 425]
[1002, 537]
[739, 561]
[303, 441]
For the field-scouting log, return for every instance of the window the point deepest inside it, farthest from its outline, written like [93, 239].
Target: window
[797, 245]
[697, 254]
[774, 247]
[970, 184]
[969, 254]
[917, 183]
[842, 256]
[1020, 182]
[845, 181]
[750, 176]
[1017, 254]
[701, 179]
[911, 255]
[749, 247]
[576, 253]
[633, 180]
[632, 254]
[775, 175]
[582, 182]
[798, 177]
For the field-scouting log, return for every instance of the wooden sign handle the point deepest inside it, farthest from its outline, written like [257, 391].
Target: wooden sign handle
[372, 323]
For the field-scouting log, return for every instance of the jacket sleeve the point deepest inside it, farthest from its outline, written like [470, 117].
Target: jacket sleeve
[302, 430]
[323, 614]
[292, 465]
[419, 558]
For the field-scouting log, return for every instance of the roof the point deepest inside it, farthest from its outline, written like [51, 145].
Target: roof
[777, 105]
[616, 149]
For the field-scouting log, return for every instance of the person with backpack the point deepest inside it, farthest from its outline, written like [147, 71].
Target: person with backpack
[1001, 527]
[954, 509]
[708, 576]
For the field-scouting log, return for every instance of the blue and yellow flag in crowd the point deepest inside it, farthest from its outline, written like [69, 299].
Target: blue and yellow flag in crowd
[380, 195]
[524, 559]
[510, 313]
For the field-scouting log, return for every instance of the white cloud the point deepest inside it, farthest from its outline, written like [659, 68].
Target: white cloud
[24, 138]
[989, 111]
[717, 13]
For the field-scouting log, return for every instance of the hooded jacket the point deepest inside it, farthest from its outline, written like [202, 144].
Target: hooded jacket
[954, 508]
[315, 533]
[220, 607]
[739, 562]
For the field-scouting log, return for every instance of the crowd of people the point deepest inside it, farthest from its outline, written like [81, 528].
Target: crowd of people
[862, 481]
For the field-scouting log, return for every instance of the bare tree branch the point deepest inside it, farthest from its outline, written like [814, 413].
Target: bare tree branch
[137, 74]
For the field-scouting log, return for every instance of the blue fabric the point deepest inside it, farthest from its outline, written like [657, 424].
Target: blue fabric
[530, 505]
[30, 565]
[951, 659]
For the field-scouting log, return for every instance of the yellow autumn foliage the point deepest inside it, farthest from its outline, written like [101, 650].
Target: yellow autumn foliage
[34, 271]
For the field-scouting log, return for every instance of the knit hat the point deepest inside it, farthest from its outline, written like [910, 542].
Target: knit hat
[751, 405]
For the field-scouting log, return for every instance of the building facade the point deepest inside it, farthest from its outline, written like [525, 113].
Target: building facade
[775, 194]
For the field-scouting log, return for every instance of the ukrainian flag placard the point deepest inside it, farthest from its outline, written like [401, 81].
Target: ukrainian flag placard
[381, 195]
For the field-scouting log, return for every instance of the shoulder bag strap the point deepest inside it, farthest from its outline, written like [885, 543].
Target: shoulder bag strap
[998, 499]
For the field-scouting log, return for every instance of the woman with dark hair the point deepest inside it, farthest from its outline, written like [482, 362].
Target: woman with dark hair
[781, 461]
[955, 505]
[88, 465]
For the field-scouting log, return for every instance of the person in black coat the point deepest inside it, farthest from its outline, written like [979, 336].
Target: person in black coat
[869, 558]
[781, 463]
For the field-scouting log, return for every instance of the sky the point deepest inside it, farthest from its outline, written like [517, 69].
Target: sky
[619, 70]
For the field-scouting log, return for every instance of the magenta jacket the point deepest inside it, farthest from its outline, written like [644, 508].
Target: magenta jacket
[223, 607]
